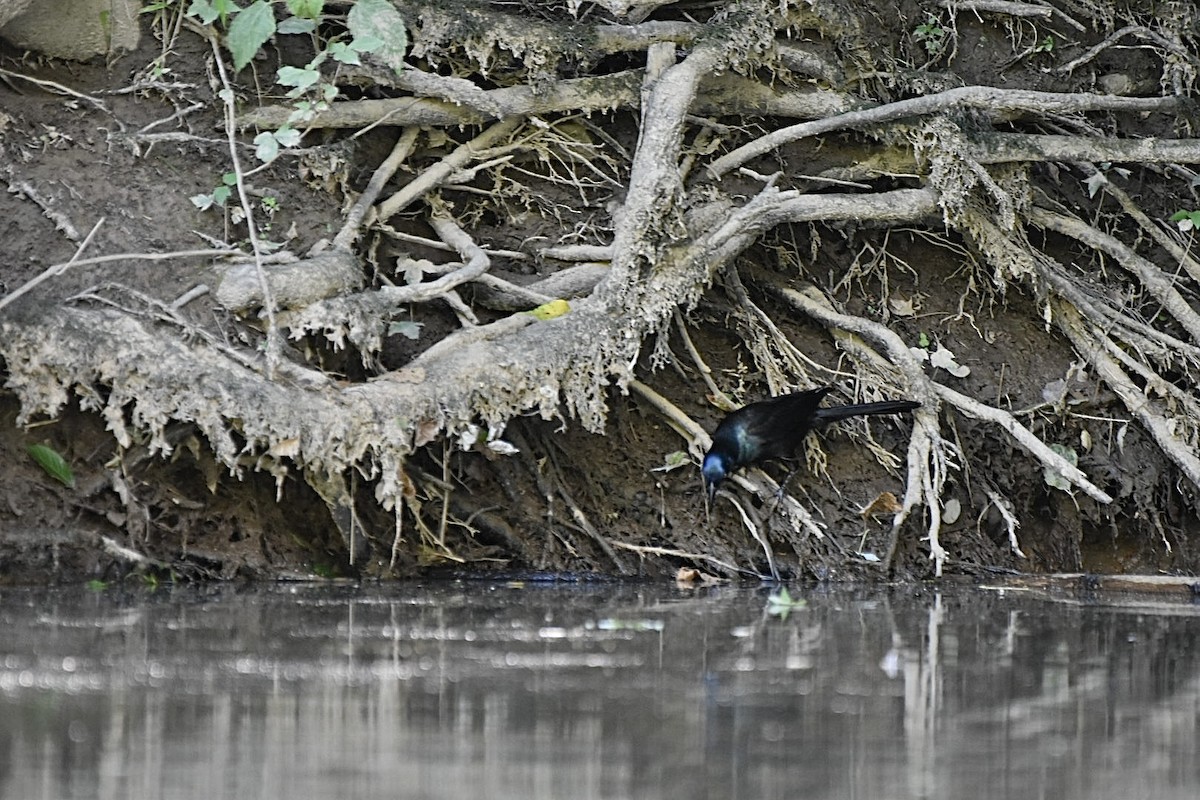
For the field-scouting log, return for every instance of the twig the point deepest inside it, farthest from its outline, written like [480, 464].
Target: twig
[477, 260]
[274, 338]
[578, 252]
[1137, 30]
[1009, 517]
[577, 513]
[383, 173]
[1024, 437]
[61, 221]
[670, 553]
[118, 550]
[1011, 9]
[1005, 148]
[756, 531]
[698, 439]
[719, 396]
[440, 172]
[61, 89]
[55, 270]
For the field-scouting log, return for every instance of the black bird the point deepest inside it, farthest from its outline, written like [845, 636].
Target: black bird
[774, 428]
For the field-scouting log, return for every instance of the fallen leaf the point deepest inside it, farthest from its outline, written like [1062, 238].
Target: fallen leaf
[555, 308]
[942, 358]
[426, 432]
[672, 461]
[885, 503]
[902, 306]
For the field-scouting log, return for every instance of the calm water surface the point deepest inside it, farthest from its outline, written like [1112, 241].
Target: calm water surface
[478, 690]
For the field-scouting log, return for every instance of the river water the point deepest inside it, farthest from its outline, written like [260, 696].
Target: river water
[521, 690]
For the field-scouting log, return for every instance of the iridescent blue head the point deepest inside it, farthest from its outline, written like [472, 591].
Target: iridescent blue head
[715, 470]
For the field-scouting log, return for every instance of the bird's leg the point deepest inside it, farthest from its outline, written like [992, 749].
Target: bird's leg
[783, 486]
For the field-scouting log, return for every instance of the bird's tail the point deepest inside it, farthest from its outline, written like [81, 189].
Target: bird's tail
[863, 409]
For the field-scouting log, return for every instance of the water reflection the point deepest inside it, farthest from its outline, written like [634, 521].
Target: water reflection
[499, 691]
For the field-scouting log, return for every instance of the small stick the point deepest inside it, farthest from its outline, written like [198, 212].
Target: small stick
[55, 270]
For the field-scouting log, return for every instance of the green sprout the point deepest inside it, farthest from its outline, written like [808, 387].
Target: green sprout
[931, 34]
[1186, 220]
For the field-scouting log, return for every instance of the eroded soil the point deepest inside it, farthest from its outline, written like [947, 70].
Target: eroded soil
[66, 158]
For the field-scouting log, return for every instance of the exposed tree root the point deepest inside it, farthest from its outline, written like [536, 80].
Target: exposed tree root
[634, 228]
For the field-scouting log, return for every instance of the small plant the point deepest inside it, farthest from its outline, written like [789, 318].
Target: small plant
[1046, 45]
[931, 34]
[218, 196]
[1186, 220]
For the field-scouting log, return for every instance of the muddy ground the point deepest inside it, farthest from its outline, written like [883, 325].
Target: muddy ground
[69, 160]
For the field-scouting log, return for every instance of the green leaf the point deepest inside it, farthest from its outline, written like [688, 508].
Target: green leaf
[782, 603]
[204, 11]
[379, 19]
[208, 11]
[249, 31]
[344, 53]
[295, 76]
[308, 9]
[288, 136]
[221, 194]
[55, 465]
[266, 147]
[296, 25]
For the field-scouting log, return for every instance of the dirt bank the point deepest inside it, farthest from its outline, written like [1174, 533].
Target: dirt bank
[991, 236]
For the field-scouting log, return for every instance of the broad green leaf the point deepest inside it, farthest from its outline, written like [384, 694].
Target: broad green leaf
[296, 25]
[266, 147]
[379, 19]
[203, 10]
[287, 136]
[249, 31]
[343, 53]
[55, 465]
[308, 9]
[295, 76]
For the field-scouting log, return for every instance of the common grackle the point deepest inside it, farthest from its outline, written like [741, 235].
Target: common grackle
[774, 428]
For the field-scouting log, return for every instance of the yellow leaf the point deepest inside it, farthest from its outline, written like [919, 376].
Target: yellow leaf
[555, 308]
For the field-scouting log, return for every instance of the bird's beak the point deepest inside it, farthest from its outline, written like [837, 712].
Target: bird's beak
[712, 491]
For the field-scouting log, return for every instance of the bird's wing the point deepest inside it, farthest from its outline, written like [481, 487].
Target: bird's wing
[773, 428]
